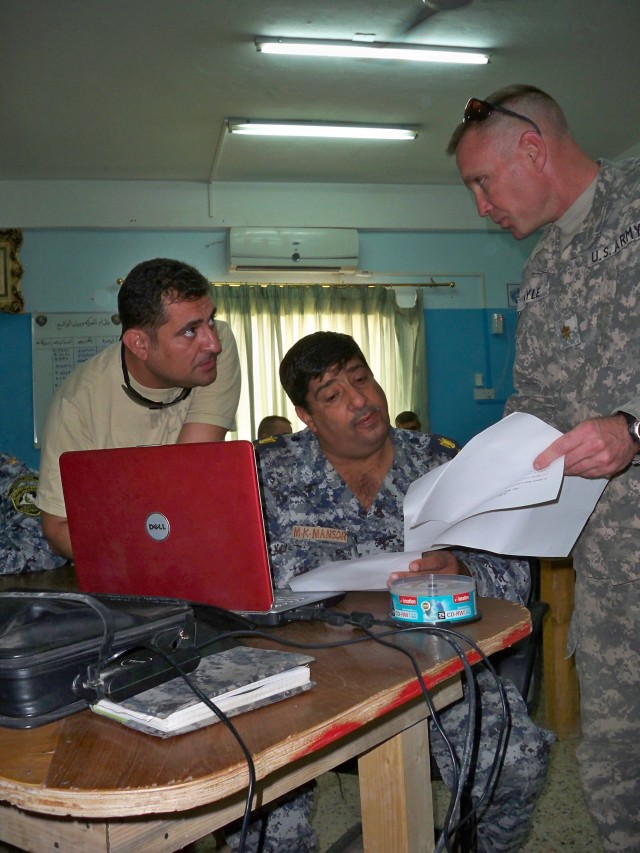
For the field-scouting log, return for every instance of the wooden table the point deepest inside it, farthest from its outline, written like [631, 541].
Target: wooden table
[561, 690]
[87, 783]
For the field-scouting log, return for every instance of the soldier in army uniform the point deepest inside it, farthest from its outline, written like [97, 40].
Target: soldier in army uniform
[576, 367]
[335, 491]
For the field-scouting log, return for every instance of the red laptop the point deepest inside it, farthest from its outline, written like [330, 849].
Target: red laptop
[182, 520]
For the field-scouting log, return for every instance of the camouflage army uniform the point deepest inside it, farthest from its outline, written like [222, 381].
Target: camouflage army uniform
[23, 548]
[578, 357]
[312, 517]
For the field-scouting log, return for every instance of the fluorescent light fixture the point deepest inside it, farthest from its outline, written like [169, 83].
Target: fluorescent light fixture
[370, 50]
[320, 129]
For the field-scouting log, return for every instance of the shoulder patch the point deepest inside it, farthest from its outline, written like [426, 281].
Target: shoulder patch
[266, 443]
[22, 494]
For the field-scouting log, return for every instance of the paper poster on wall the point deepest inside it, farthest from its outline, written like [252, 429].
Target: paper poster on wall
[512, 295]
[60, 342]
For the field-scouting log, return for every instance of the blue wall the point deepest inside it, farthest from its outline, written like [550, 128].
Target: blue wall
[459, 342]
[77, 270]
[16, 408]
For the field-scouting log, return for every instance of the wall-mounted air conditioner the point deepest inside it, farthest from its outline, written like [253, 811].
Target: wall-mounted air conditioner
[293, 248]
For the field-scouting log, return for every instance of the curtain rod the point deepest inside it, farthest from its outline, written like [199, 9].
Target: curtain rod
[431, 283]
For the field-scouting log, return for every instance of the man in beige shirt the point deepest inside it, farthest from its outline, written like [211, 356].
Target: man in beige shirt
[174, 377]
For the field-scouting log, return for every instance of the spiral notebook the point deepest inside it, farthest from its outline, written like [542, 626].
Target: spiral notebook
[182, 521]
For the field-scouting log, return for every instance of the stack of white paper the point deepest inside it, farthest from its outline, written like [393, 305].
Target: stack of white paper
[489, 497]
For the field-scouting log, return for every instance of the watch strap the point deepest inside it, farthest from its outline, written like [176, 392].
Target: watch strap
[633, 426]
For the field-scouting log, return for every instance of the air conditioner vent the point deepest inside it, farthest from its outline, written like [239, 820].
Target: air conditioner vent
[304, 249]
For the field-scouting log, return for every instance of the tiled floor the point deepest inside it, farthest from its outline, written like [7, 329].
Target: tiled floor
[561, 823]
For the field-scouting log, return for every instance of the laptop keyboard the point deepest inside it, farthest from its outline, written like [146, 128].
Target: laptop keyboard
[285, 599]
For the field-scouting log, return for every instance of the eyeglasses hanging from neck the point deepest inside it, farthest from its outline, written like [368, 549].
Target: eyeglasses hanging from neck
[132, 394]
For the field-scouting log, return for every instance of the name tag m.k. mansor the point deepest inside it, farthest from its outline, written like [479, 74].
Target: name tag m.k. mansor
[318, 534]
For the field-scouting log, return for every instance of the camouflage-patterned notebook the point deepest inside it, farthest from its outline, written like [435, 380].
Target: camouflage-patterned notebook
[236, 680]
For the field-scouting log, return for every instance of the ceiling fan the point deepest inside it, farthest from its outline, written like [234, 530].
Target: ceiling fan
[432, 7]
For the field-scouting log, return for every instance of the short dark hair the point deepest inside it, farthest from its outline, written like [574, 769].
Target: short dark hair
[518, 94]
[269, 424]
[406, 418]
[311, 357]
[150, 284]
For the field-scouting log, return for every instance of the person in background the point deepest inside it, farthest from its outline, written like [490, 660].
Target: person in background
[23, 548]
[408, 420]
[335, 491]
[577, 366]
[174, 377]
[274, 425]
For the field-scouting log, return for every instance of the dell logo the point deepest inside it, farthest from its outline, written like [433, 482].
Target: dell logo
[157, 526]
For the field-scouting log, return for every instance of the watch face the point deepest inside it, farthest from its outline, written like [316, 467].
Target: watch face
[633, 426]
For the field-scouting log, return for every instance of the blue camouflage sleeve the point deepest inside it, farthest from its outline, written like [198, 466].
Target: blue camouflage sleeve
[23, 547]
[497, 576]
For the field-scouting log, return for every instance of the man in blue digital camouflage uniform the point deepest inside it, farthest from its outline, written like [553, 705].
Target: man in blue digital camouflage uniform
[335, 491]
[23, 547]
[577, 367]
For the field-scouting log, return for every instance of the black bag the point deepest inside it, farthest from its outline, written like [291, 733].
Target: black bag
[61, 652]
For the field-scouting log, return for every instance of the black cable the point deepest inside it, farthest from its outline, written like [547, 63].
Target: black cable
[505, 722]
[503, 730]
[225, 719]
[460, 774]
[460, 769]
[357, 619]
[365, 621]
[361, 620]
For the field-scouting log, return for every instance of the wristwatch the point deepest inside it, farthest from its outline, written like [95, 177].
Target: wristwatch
[633, 425]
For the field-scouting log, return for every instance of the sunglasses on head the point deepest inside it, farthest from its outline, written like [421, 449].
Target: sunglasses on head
[477, 110]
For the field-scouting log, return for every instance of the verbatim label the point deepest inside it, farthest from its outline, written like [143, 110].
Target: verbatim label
[434, 599]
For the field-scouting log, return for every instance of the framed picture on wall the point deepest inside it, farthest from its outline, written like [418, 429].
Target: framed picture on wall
[512, 295]
[10, 271]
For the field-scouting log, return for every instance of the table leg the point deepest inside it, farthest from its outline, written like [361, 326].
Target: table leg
[395, 794]
[562, 695]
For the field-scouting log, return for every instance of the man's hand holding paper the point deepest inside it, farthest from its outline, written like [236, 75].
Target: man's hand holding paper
[489, 498]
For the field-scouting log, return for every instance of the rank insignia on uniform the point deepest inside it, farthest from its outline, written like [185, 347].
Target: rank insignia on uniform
[268, 442]
[568, 332]
[446, 442]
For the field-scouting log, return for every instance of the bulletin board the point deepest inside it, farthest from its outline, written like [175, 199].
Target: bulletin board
[60, 342]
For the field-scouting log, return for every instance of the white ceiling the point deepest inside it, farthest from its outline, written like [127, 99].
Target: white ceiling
[139, 89]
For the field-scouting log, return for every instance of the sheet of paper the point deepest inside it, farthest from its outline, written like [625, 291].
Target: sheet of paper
[494, 470]
[348, 575]
[545, 530]
[489, 497]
